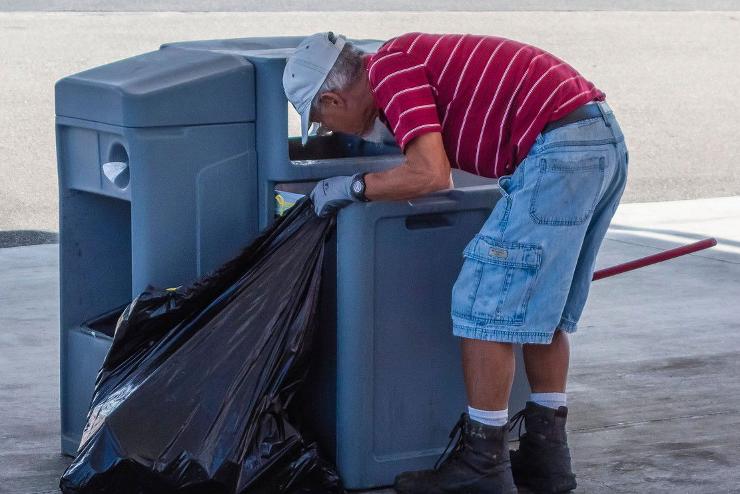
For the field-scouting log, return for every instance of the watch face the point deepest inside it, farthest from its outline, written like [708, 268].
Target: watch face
[357, 187]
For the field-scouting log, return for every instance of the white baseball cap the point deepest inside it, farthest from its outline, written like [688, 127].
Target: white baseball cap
[306, 70]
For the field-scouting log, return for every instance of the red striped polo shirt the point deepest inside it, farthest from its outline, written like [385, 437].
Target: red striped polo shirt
[488, 96]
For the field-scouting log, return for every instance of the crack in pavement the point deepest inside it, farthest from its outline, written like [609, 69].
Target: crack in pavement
[624, 425]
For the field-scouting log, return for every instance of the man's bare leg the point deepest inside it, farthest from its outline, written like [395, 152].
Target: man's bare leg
[547, 365]
[488, 367]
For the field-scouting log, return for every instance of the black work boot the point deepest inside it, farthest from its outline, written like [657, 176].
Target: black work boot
[478, 464]
[542, 463]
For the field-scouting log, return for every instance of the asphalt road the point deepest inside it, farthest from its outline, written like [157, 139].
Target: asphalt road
[672, 78]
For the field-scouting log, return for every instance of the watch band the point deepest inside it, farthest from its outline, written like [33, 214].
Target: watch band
[357, 187]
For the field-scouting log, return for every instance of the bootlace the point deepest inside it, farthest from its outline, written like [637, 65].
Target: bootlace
[459, 445]
[517, 420]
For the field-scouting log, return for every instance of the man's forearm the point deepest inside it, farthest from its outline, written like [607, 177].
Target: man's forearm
[403, 182]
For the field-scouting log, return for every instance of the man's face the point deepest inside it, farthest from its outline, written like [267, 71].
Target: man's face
[349, 112]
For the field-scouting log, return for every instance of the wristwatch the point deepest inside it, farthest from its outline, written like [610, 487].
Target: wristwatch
[357, 187]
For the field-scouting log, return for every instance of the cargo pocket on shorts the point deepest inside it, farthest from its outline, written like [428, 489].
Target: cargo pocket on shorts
[496, 281]
[566, 192]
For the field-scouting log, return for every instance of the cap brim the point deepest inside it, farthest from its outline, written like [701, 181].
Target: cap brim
[305, 124]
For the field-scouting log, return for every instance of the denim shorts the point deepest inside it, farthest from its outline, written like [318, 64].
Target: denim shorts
[528, 271]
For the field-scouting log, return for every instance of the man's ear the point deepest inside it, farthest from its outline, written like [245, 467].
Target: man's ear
[331, 101]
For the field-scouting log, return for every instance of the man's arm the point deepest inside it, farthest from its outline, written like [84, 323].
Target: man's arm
[425, 170]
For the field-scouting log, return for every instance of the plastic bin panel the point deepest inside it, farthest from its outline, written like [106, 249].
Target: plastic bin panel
[413, 278]
[223, 214]
[84, 350]
[396, 357]
[78, 150]
[194, 195]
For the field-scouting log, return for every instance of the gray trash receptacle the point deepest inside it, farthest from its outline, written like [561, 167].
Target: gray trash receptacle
[157, 185]
[387, 383]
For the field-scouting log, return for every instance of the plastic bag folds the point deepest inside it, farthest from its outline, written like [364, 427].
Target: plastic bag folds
[193, 393]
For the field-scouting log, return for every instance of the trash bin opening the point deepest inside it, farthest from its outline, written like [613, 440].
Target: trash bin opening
[105, 323]
[336, 145]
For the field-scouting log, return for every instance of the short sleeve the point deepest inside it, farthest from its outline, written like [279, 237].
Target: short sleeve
[402, 90]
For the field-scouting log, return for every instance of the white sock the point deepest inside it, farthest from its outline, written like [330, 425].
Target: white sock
[489, 417]
[549, 400]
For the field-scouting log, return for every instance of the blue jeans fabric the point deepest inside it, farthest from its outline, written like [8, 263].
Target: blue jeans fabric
[528, 271]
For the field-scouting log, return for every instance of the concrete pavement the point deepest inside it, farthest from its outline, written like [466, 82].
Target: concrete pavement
[360, 5]
[653, 390]
[672, 78]
[657, 355]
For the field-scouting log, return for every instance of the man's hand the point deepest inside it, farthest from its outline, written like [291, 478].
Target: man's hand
[331, 195]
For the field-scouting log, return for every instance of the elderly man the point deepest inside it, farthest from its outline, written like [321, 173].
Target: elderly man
[501, 109]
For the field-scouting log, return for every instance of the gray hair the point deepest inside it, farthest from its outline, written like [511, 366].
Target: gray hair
[345, 72]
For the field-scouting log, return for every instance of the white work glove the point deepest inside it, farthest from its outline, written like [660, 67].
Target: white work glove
[331, 195]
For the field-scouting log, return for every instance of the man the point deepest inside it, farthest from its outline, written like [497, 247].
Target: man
[497, 108]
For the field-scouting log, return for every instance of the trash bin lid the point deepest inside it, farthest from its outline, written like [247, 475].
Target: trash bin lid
[264, 47]
[168, 87]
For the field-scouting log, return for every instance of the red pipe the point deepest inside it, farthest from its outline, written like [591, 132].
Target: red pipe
[655, 258]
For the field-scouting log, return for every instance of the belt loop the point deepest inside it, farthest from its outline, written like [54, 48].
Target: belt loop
[603, 113]
[606, 120]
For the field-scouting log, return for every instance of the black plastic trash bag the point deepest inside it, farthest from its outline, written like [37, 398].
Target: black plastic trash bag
[192, 395]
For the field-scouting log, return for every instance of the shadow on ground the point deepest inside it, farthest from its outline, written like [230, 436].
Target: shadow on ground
[19, 238]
